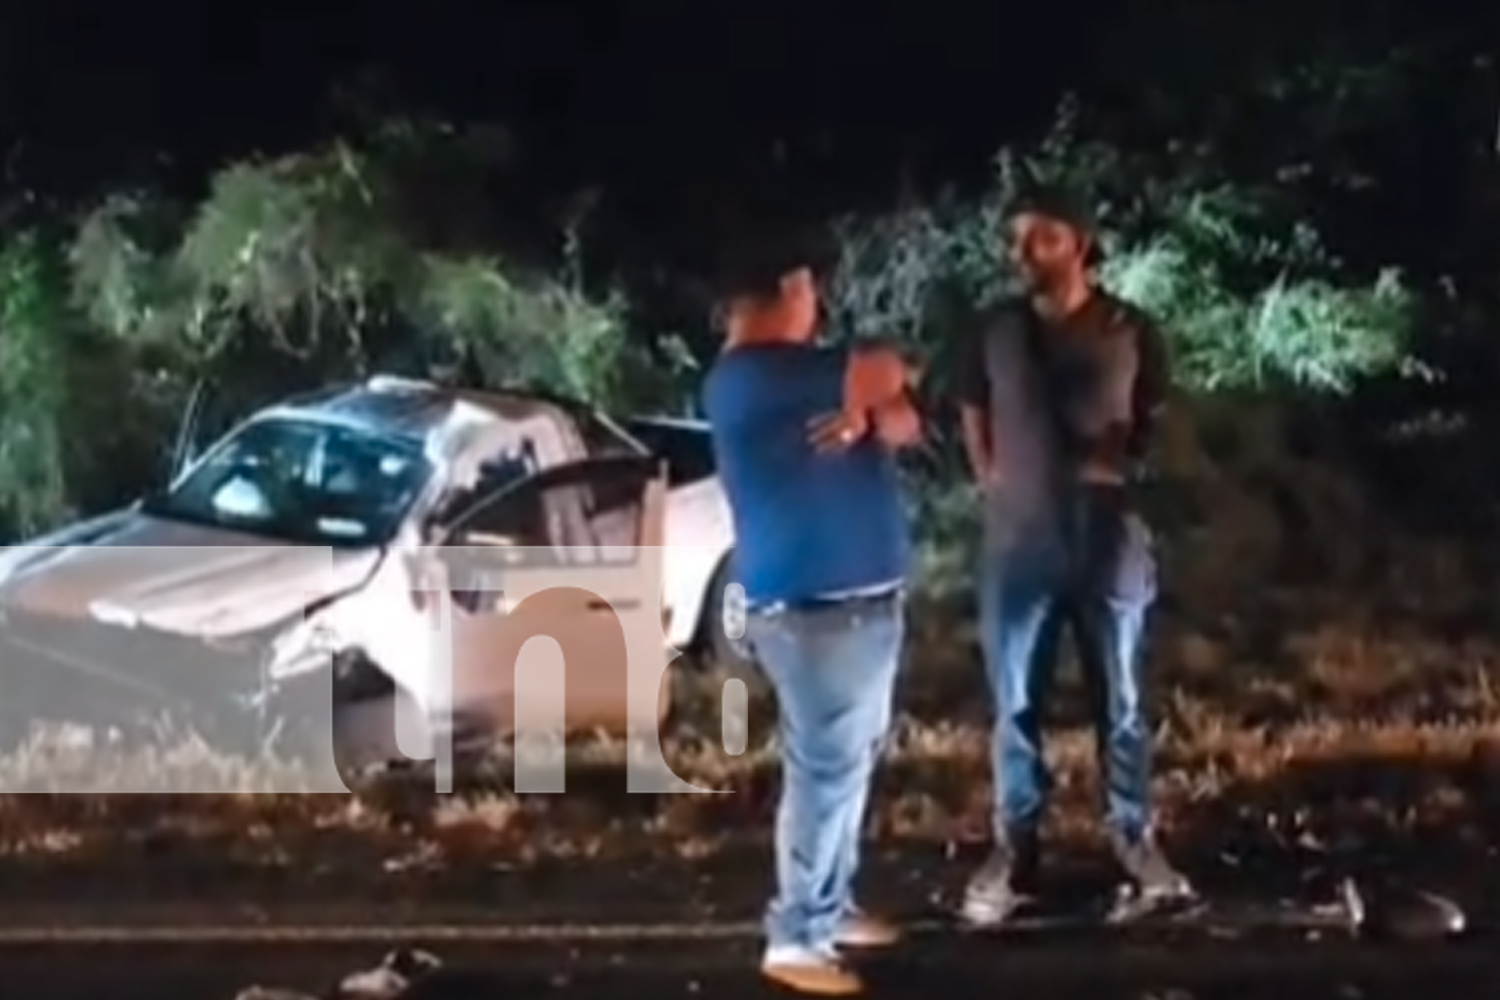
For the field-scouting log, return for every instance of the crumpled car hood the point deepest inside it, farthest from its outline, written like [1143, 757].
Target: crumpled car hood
[130, 569]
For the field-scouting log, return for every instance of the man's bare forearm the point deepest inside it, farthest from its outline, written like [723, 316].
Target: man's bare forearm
[878, 377]
[898, 424]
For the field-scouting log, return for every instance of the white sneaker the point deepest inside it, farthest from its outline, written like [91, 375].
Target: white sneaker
[814, 971]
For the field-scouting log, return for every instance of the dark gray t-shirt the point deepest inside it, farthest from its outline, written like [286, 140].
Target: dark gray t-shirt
[1067, 403]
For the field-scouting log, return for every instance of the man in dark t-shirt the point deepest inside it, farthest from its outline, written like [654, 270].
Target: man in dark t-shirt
[1059, 392]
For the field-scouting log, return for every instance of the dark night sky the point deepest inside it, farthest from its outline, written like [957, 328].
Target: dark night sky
[658, 101]
[652, 94]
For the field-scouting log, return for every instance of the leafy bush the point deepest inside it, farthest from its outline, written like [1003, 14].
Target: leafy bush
[32, 397]
[1256, 309]
[327, 261]
[1249, 296]
[313, 252]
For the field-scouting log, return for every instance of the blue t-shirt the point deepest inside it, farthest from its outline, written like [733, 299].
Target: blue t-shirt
[807, 525]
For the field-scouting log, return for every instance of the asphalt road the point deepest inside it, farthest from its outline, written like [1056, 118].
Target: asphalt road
[924, 969]
[671, 931]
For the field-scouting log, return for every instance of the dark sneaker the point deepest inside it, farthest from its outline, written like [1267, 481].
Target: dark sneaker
[1146, 866]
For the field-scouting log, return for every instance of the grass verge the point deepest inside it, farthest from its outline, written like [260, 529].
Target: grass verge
[1331, 735]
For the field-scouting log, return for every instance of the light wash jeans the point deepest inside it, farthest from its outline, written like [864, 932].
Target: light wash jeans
[833, 668]
[1092, 569]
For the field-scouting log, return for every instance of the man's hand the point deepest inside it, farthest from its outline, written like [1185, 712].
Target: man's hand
[831, 433]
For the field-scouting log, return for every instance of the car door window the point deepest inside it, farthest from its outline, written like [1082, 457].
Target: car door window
[598, 504]
[593, 511]
[688, 451]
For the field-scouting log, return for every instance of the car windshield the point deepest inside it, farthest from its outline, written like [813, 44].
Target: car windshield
[302, 481]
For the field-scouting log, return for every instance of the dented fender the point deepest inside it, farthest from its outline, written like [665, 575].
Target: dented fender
[379, 620]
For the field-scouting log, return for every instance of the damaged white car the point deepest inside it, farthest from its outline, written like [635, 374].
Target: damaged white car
[287, 549]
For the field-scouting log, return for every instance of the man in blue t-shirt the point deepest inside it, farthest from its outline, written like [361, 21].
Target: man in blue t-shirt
[803, 436]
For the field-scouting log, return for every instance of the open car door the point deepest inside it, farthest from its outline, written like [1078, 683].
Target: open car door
[572, 554]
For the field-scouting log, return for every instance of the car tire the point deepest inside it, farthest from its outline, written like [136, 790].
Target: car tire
[724, 623]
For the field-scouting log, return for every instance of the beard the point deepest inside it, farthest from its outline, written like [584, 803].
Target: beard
[1040, 280]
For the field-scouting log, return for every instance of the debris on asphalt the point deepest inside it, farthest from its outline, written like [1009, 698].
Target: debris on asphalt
[397, 972]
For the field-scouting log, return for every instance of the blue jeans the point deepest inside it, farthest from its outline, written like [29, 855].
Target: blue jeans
[833, 668]
[1090, 566]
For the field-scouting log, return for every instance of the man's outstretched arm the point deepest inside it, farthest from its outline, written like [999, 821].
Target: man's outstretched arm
[898, 424]
[878, 399]
[882, 384]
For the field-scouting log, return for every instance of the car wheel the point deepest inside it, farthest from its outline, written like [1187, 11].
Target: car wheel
[724, 623]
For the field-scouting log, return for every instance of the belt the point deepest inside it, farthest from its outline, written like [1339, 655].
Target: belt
[855, 600]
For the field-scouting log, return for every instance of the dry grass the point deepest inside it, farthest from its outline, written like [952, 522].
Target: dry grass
[1333, 732]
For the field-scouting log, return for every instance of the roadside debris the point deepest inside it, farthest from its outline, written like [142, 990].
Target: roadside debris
[391, 979]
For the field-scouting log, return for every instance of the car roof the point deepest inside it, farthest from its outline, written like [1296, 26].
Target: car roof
[411, 408]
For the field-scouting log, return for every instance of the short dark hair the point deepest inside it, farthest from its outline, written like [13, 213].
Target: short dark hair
[1067, 206]
[754, 259]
